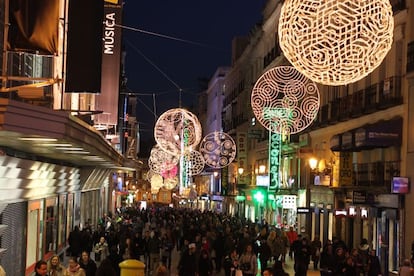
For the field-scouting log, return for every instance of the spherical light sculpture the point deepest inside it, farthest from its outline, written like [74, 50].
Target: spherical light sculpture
[194, 162]
[156, 183]
[161, 161]
[170, 183]
[285, 101]
[177, 130]
[336, 42]
[218, 149]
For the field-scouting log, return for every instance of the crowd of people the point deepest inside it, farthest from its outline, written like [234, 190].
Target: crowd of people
[207, 243]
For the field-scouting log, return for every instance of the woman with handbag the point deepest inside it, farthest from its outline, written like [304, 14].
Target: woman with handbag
[248, 262]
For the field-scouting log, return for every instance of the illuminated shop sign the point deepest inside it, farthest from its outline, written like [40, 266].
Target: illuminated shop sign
[275, 147]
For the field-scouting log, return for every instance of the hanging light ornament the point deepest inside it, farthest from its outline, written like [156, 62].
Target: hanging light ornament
[170, 183]
[218, 149]
[161, 161]
[156, 183]
[336, 42]
[177, 130]
[285, 101]
[194, 162]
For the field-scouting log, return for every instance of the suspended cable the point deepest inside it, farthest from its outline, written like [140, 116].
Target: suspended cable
[153, 64]
[170, 37]
[147, 107]
[155, 107]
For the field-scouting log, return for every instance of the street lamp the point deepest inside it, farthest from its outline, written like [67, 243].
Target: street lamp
[313, 163]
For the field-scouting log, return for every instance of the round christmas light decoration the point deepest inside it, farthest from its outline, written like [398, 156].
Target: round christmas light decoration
[336, 42]
[170, 173]
[285, 101]
[177, 130]
[156, 183]
[161, 161]
[218, 149]
[194, 162]
[170, 183]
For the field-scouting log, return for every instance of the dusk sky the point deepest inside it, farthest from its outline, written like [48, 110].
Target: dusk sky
[197, 40]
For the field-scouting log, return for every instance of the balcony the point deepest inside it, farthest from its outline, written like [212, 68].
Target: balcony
[373, 98]
[377, 174]
[410, 57]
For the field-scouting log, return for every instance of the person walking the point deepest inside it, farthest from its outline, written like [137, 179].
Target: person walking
[231, 263]
[75, 242]
[205, 264]
[186, 265]
[54, 267]
[406, 269]
[154, 250]
[74, 268]
[302, 258]
[374, 267]
[327, 263]
[87, 264]
[101, 250]
[248, 261]
[265, 253]
[40, 268]
[316, 246]
[292, 236]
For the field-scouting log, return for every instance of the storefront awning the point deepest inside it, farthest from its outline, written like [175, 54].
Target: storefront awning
[53, 135]
[382, 134]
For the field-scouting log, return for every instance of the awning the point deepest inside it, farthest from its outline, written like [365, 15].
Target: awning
[343, 141]
[336, 142]
[382, 134]
[53, 135]
[348, 141]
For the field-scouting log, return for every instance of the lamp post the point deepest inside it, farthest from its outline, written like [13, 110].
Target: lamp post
[240, 205]
[313, 166]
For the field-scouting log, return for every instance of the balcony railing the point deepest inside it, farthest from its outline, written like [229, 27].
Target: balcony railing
[378, 96]
[377, 174]
[410, 57]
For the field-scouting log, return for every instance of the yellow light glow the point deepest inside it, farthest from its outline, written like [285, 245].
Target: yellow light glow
[336, 42]
[262, 168]
[39, 139]
[313, 163]
[241, 171]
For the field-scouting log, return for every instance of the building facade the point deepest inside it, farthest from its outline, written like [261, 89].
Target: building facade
[361, 142]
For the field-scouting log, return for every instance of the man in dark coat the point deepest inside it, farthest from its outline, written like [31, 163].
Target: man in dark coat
[186, 265]
[75, 242]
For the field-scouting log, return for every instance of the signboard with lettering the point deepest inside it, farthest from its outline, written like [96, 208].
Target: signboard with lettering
[111, 58]
[345, 169]
[275, 150]
[359, 197]
[241, 155]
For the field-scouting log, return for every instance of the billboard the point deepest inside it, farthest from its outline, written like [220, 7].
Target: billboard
[111, 64]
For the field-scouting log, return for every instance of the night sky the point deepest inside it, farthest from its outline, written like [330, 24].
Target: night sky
[199, 35]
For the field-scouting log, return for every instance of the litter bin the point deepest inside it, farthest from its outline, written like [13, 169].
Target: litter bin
[132, 267]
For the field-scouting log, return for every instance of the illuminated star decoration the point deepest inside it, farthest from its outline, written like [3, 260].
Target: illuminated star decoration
[218, 149]
[336, 42]
[285, 101]
[177, 130]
